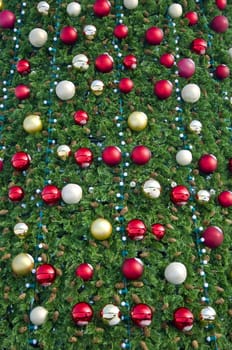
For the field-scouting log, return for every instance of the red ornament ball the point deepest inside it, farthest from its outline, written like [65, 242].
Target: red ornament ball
[154, 35]
[126, 85]
[180, 195]
[7, 19]
[1, 164]
[136, 229]
[140, 155]
[183, 319]
[192, 17]
[141, 314]
[121, 31]
[82, 313]
[111, 155]
[85, 271]
[81, 117]
[21, 161]
[83, 157]
[45, 274]
[213, 237]
[221, 4]
[222, 72]
[167, 60]
[158, 230]
[186, 67]
[23, 67]
[132, 268]
[22, 92]
[199, 46]
[68, 35]
[207, 163]
[51, 194]
[163, 89]
[15, 193]
[219, 24]
[130, 62]
[225, 199]
[104, 63]
[101, 8]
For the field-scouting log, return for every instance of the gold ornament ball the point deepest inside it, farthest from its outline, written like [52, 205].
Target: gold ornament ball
[101, 229]
[32, 124]
[21, 230]
[137, 121]
[22, 264]
[97, 87]
[1, 4]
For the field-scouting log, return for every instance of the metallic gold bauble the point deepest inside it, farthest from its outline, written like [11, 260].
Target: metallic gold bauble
[207, 315]
[21, 230]
[63, 152]
[97, 87]
[1, 4]
[137, 121]
[22, 264]
[32, 124]
[90, 31]
[101, 229]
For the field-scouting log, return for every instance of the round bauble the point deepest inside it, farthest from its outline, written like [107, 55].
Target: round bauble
[158, 230]
[136, 229]
[203, 196]
[73, 9]
[141, 315]
[137, 121]
[132, 268]
[130, 62]
[191, 93]
[50, 194]
[213, 237]
[89, 31]
[22, 92]
[38, 315]
[71, 193]
[83, 157]
[80, 62]
[221, 4]
[111, 155]
[22, 264]
[63, 152]
[175, 10]
[195, 126]
[175, 273]
[184, 157]
[222, 72]
[180, 195]
[32, 124]
[7, 19]
[43, 7]
[21, 161]
[80, 117]
[207, 315]
[207, 163]
[140, 155]
[154, 35]
[151, 188]
[21, 230]
[230, 165]
[120, 31]
[167, 60]
[1, 164]
[192, 18]
[101, 229]
[101, 8]
[85, 271]
[110, 315]
[68, 35]
[219, 24]
[183, 319]
[199, 46]
[82, 314]
[186, 67]
[38, 37]
[97, 87]
[130, 4]
[126, 85]
[45, 274]
[163, 89]
[65, 90]
[23, 67]
[104, 63]
[225, 199]
[16, 193]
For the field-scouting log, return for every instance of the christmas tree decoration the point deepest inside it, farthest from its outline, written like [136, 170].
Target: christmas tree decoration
[180, 195]
[80, 117]
[230, 165]
[222, 72]
[65, 90]
[136, 229]
[207, 163]
[73, 9]
[101, 8]
[186, 67]
[90, 31]
[50, 194]
[1, 4]
[104, 63]
[21, 161]
[132, 268]
[137, 121]
[199, 46]
[154, 35]
[175, 10]
[80, 62]
[7, 19]
[207, 315]
[71, 193]
[141, 315]
[175, 273]
[130, 4]
[163, 89]
[184, 157]
[22, 264]
[126, 85]
[167, 60]
[220, 24]
[221, 4]
[22, 92]
[140, 155]
[68, 35]
[151, 188]
[111, 155]
[225, 199]
[97, 87]
[191, 93]
[213, 237]
[101, 229]
[183, 319]
[158, 230]
[38, 37]
[195, 126]
[21, 230]
[120, 31]
[83, 157]
[111, 315]
[63, 152]
[43, 7]
[85, 271]
[203, 196]
[130, 62]
[192, 18]
[45, 274]
[82, 314]
[23, 67]
[32, 124]
[16, 193]
[38, 315]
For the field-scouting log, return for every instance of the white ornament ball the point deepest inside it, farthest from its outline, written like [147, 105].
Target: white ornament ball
[152, 188]
[71, 193]
[80, 62]
[175, 10]
[203, 196]
[63, 152]
[175, 273]
[43, 7]
[97, 87]
[73, 9]
[191, 93]
[230, 52]
[65, 90]
[38, 315]
[184, 157]
[195, 126]
[38, 37]
[130, 4]
[111, 314]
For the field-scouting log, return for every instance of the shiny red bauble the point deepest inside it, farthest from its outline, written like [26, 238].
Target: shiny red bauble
[221, 4]
[136, 229]
[22, 92]
[68, 35]
[225, 198]
[183, 319]
[82, 313]
[121, 31]
[186, 67]
[158, 230]
[15, 193]
[21, 161]
[199, 46]
[104, 63]
[167, 60]
[132, 268]
[130, 62]
[80, 117]
[7, 19]
[219, 24]
[213, 237]
[154, 35]
[163, 89]
[180, 195]
[51, 194]
[111, 155]
[85, 271]
[141, 315]
[23, 67]
[222, 72]
[45, 274]
[83, 157]
[1, 164]
[126, 85]
[140, 155]
[207, 163]
[101, 8]
[192, 17]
